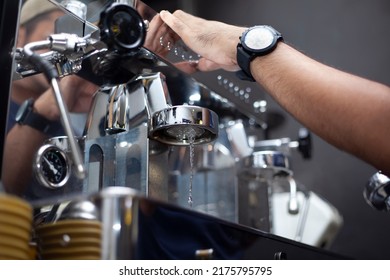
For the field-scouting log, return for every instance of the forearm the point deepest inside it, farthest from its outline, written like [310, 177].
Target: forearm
[22, 143]
[349, 112]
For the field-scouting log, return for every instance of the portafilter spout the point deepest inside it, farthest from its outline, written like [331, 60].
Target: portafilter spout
[184, 125]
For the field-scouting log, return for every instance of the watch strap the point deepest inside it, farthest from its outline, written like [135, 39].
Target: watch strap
[244, 60]
[37, 121]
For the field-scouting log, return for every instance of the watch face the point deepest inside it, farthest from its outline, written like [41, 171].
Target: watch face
[259, 38]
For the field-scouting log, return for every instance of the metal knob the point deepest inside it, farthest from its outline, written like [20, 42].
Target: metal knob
[377, 192]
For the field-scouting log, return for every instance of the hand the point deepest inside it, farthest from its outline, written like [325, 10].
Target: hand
[159, 35]
[215, 41]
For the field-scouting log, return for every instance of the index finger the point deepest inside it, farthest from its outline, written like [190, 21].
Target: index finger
[177, 25]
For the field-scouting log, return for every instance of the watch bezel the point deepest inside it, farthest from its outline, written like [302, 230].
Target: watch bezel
[245, 53]
[276, 36]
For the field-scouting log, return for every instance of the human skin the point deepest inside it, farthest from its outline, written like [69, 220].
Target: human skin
[349, 112]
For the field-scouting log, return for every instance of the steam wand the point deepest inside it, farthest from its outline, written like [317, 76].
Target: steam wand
[51, 74]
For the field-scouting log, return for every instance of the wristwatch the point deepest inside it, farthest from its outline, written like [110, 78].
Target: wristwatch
[27, 116]
[256, 41]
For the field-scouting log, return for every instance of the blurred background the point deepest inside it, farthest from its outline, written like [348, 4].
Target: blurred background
[352, 35]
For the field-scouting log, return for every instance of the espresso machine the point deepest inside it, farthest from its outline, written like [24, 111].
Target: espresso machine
[165, 167]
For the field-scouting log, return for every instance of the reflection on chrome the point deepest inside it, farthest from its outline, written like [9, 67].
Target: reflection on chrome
[152, 131]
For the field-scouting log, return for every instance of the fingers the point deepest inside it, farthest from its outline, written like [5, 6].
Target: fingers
[175, 23]
[189, 30]
[215, 41]
[183, 23]
[190, 19]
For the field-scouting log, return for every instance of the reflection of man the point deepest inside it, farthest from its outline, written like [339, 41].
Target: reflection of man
[40, 115]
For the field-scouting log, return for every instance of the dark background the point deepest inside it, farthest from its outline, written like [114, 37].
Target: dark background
[352, 35]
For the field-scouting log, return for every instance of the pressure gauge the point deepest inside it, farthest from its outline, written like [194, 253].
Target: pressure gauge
[52, 166]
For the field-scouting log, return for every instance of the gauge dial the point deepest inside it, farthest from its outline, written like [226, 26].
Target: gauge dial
[52, 167]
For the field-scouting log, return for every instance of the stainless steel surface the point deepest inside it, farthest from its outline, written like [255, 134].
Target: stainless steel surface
[71, 183]
[147, 94]
[264, 164]
[29, 51]
[184, 125]
[63, 142]
[40, 173]
[138, 136]
[93, 7]
[293, 205]
[139, 228]
[157, 93]
[377, 192]
[303, 144]
[65, 51]
[254, 206]
[79, 209]
[304, 208]
[256, 174]
[123, 160]
[120, 124]
[76, 7]
[282, 145]
[118, 211]
[159, 55]
[234, 136]
[214, 183]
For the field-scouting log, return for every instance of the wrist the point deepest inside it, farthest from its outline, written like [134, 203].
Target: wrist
[28, 116]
